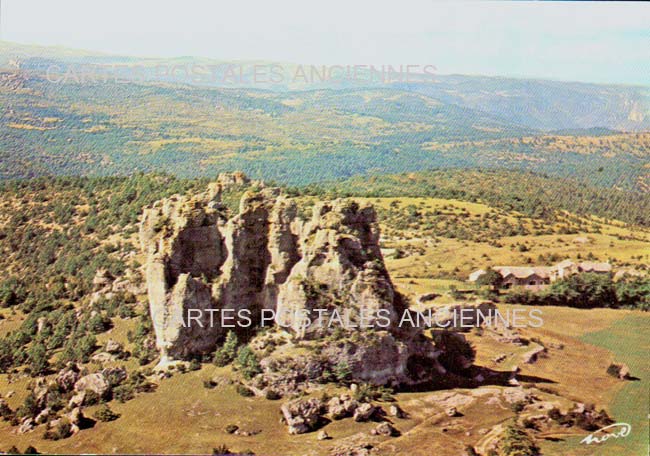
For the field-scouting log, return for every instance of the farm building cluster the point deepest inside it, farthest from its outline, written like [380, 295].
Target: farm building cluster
[536, 278]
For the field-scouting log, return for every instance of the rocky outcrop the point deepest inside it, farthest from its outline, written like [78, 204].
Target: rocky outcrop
[302, 415]
[105, 286]
[67, 377]
[264, 257]
[340, 407]
[340, 264]
[203, 259]
[13, 80]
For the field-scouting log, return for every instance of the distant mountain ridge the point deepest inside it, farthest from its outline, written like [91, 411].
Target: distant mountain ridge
[533, 103]
[545, 104]
[296, 137]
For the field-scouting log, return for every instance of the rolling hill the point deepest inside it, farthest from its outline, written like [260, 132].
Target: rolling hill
[290, 137]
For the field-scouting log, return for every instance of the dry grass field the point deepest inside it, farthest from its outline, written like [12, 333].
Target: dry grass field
[184, 417]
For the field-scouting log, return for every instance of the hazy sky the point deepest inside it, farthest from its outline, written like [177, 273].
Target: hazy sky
[599, 42]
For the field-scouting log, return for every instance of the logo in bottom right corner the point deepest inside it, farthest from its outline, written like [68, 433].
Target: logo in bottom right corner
[613, 431]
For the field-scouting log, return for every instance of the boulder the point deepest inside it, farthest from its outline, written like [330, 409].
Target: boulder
[624, 372]
[386, 429]
[262, 257]
[322, 435]
[302, 415]
[113, 347]
[77, 399]
[93, 382]
[350, 405]
[383, 358]
[53, 425]
[532, 356]
[41, 392]
[512, 378]
[336, 409]
[500, 358]
[75, 416]
[515, 395]
[26, 426]
[451, 412]
[342, 406]
[427, 297]
[114, 375]
[395, 411]
[67, 377]
[356, 448]
[102, 278]
[103, 357]
[363, 412]
[43, 416]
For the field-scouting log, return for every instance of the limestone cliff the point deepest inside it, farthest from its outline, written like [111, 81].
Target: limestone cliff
[267, 257]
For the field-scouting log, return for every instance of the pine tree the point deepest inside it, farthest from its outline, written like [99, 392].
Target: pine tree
[226, 354]
[247, 362]
[38, 362]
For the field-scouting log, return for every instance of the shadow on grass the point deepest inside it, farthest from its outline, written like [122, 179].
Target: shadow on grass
[474, 377]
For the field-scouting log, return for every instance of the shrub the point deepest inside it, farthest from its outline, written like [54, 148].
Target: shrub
[584, 291]
[114, 378]
[367, 393]
[518, 406]
[232, 428]
[29, 408]
[99, 323]
[84, 347]
[272, 395]
[91, 398]
[243, 391]
[126, 311]
[220, 450]
[614, 370]
[5, 411]
[490, 278]
[516, 442]
[124, 392]
[105, 414]
[342, 372]
[209, 384]
[9, 294]
[62, 430]
[529, 424]
[554, 414]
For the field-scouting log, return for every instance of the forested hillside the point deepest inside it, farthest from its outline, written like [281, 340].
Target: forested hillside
[531, 194]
